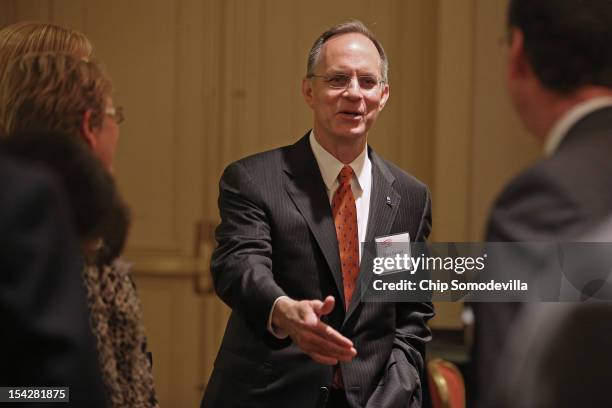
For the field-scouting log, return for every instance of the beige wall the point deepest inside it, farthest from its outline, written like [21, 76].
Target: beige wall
[206, 82]
[500, 147]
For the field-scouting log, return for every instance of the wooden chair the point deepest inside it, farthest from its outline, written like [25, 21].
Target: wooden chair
[446, 384]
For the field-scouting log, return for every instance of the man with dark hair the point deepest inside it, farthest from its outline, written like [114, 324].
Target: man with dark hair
[559, 77]
[288, 260]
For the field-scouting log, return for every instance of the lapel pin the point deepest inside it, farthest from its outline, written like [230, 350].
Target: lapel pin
[389, 201]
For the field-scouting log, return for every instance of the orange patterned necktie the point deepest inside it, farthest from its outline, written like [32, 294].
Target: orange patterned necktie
[345, 218]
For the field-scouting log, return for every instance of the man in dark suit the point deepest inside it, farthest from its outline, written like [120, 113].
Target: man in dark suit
[559, 76]
[46, 337]
[288, 260]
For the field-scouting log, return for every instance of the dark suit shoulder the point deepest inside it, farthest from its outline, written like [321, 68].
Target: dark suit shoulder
[266, 161]
[542, 177]
[253, 177]
[403, 182]
[405, 178]
[536, 206]
[564, 194]
[582, 168]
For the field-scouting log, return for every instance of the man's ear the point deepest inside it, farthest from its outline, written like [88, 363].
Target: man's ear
[307, 90]
[518, 63]
[384, 98]
[87, 131]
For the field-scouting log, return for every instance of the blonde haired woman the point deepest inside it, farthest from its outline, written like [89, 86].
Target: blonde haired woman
[47, 83]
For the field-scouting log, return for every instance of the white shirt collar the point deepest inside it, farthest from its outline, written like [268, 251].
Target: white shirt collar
[571, 117]
[330, 166]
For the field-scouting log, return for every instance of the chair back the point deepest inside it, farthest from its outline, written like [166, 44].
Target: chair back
[446, 384]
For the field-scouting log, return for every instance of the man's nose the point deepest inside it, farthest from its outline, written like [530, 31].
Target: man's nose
[353, 89]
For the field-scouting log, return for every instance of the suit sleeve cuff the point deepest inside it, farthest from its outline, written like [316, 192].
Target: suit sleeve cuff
[275, 331]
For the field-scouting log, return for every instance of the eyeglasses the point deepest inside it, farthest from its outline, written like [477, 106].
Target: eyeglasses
[116, 113]
[343, 81]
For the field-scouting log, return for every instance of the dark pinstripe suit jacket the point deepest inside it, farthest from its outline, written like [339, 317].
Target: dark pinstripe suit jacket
[277, 237]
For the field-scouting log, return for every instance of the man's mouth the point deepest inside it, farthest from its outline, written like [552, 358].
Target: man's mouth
[354, 114]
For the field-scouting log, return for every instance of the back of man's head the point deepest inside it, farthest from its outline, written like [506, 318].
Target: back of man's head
[568, 42]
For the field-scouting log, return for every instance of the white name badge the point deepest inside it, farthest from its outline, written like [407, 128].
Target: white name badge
[397, 248]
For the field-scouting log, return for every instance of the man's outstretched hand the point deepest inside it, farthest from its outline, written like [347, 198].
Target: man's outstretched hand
[301, 320]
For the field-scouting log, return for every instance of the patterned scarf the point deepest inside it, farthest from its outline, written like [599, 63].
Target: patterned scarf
[116, 320]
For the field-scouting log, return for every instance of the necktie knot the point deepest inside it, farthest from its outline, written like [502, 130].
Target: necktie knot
[345, 175]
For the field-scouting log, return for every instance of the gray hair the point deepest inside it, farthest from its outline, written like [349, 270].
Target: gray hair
[351, 26]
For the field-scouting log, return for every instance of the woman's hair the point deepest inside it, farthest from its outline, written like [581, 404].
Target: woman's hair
[52, 91]
[30, 36]
[97, 208]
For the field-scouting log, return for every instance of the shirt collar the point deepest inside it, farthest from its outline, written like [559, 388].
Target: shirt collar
[330, 166]
[570, 118]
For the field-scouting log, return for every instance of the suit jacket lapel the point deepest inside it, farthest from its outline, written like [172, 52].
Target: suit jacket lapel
[307, 190]
[384, 205]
